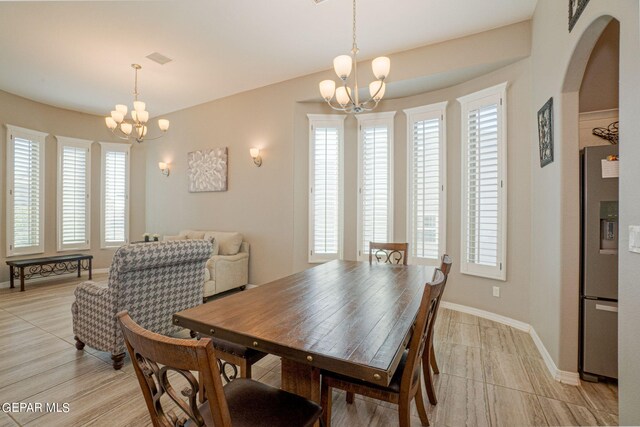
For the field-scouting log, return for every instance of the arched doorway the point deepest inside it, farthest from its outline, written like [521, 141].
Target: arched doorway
[569, 150]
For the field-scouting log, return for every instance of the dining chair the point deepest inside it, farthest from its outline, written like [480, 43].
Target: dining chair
[231, 355]
[159, 361]
[429, 357]
[405, 385]
[388, 253]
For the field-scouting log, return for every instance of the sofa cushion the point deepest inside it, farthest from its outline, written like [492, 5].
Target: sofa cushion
[228, 242]
[192, 235]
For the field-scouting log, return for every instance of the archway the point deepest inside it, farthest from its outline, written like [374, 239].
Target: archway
[568, 154]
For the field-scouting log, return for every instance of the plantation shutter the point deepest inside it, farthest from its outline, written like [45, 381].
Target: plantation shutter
[325, 192]
[375, 183]
[426, 185]
[116, 197]
[484, 227]
[73, 193]
[27, 194]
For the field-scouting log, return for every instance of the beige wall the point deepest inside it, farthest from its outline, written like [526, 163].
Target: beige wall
[56, 121]
[269, 204]
[599, 89]
[558, 60]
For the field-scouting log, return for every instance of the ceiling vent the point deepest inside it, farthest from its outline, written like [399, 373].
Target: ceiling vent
[159, 58]
[318, 1]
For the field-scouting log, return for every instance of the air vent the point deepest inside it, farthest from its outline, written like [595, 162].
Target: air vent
[159, 58]
[318, 1]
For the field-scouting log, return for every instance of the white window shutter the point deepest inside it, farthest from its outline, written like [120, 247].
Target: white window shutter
[426, 183]
[74, 187]
[484, 185]
[25, 198]
[115, 194]
[375, 165]
[325, 187]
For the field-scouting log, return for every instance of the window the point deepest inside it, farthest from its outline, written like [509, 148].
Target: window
[426, 178]
[326, 136]
[74, 188]
[484, 192]
[25, 191]
[115, 194]
[375, 180]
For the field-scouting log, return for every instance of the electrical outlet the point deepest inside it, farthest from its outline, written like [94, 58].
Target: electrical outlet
[496, 291]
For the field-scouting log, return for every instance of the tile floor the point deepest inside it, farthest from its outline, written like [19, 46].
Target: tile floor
[491, 374]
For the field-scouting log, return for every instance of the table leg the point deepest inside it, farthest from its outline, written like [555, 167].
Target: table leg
[11, 279]
[301, 379]
[21, 279]
[90, 268]
[79, 267]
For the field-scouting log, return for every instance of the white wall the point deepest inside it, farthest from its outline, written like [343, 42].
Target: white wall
[558, 62]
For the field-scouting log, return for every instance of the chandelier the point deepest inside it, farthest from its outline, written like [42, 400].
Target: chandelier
[348, 99]
[137, 128]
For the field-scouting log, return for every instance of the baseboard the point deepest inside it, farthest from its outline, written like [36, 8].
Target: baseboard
[7, 284]
[521, 326]
[566, 377]
[571, 378]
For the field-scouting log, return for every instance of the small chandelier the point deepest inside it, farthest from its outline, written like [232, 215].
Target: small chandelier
[347, 99]
[137, 129]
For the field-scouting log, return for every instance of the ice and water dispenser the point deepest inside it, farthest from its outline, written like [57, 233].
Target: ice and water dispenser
[608, 227]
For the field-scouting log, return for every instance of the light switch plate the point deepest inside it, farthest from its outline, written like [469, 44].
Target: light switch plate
[634, 238]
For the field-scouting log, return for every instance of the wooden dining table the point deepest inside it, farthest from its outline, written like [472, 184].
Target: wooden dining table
[347, 317]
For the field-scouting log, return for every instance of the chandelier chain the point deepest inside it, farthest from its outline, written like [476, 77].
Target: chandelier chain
[135, 86]
[354, 48]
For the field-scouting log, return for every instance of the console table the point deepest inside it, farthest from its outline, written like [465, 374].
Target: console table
[47, 266]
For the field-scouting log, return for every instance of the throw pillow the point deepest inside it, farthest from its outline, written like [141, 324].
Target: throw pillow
[172, 238]
[229, 242]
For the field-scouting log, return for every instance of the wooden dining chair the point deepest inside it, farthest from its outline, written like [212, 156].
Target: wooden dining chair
[231, 355]
[405, 385]
[429, 357]
[388, 253]
[158, 360]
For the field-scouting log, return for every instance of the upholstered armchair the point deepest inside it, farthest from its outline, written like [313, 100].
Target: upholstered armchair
[152, 281]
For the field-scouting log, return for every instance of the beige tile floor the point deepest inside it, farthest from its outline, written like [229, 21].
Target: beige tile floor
[490, 375]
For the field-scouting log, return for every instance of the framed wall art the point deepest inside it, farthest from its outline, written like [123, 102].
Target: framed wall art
[545, 133]
[207, 170]
[575, 10]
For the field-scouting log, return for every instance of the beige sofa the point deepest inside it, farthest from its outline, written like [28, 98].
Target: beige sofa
[228, 267]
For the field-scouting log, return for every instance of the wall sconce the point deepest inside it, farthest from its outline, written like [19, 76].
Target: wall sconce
[164, 168]
[255, 154]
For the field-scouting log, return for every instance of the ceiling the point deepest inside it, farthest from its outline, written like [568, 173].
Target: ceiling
[77, 54]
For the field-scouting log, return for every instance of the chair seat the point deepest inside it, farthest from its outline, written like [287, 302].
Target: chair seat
[237, 349]
[253, 404]
[393, 387]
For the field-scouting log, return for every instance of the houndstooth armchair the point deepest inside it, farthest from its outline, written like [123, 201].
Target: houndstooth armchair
[152, 281]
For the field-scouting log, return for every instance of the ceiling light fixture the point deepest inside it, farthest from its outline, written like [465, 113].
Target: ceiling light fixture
[348, 100]
[137, 129]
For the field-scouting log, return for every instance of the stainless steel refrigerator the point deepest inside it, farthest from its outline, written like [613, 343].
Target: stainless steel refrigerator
[599, 266]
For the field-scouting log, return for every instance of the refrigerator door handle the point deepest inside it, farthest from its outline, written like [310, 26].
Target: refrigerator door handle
[606, 308]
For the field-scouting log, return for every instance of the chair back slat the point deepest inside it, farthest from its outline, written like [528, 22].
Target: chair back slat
[156, 357]
[423, 328]
[388, 253]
